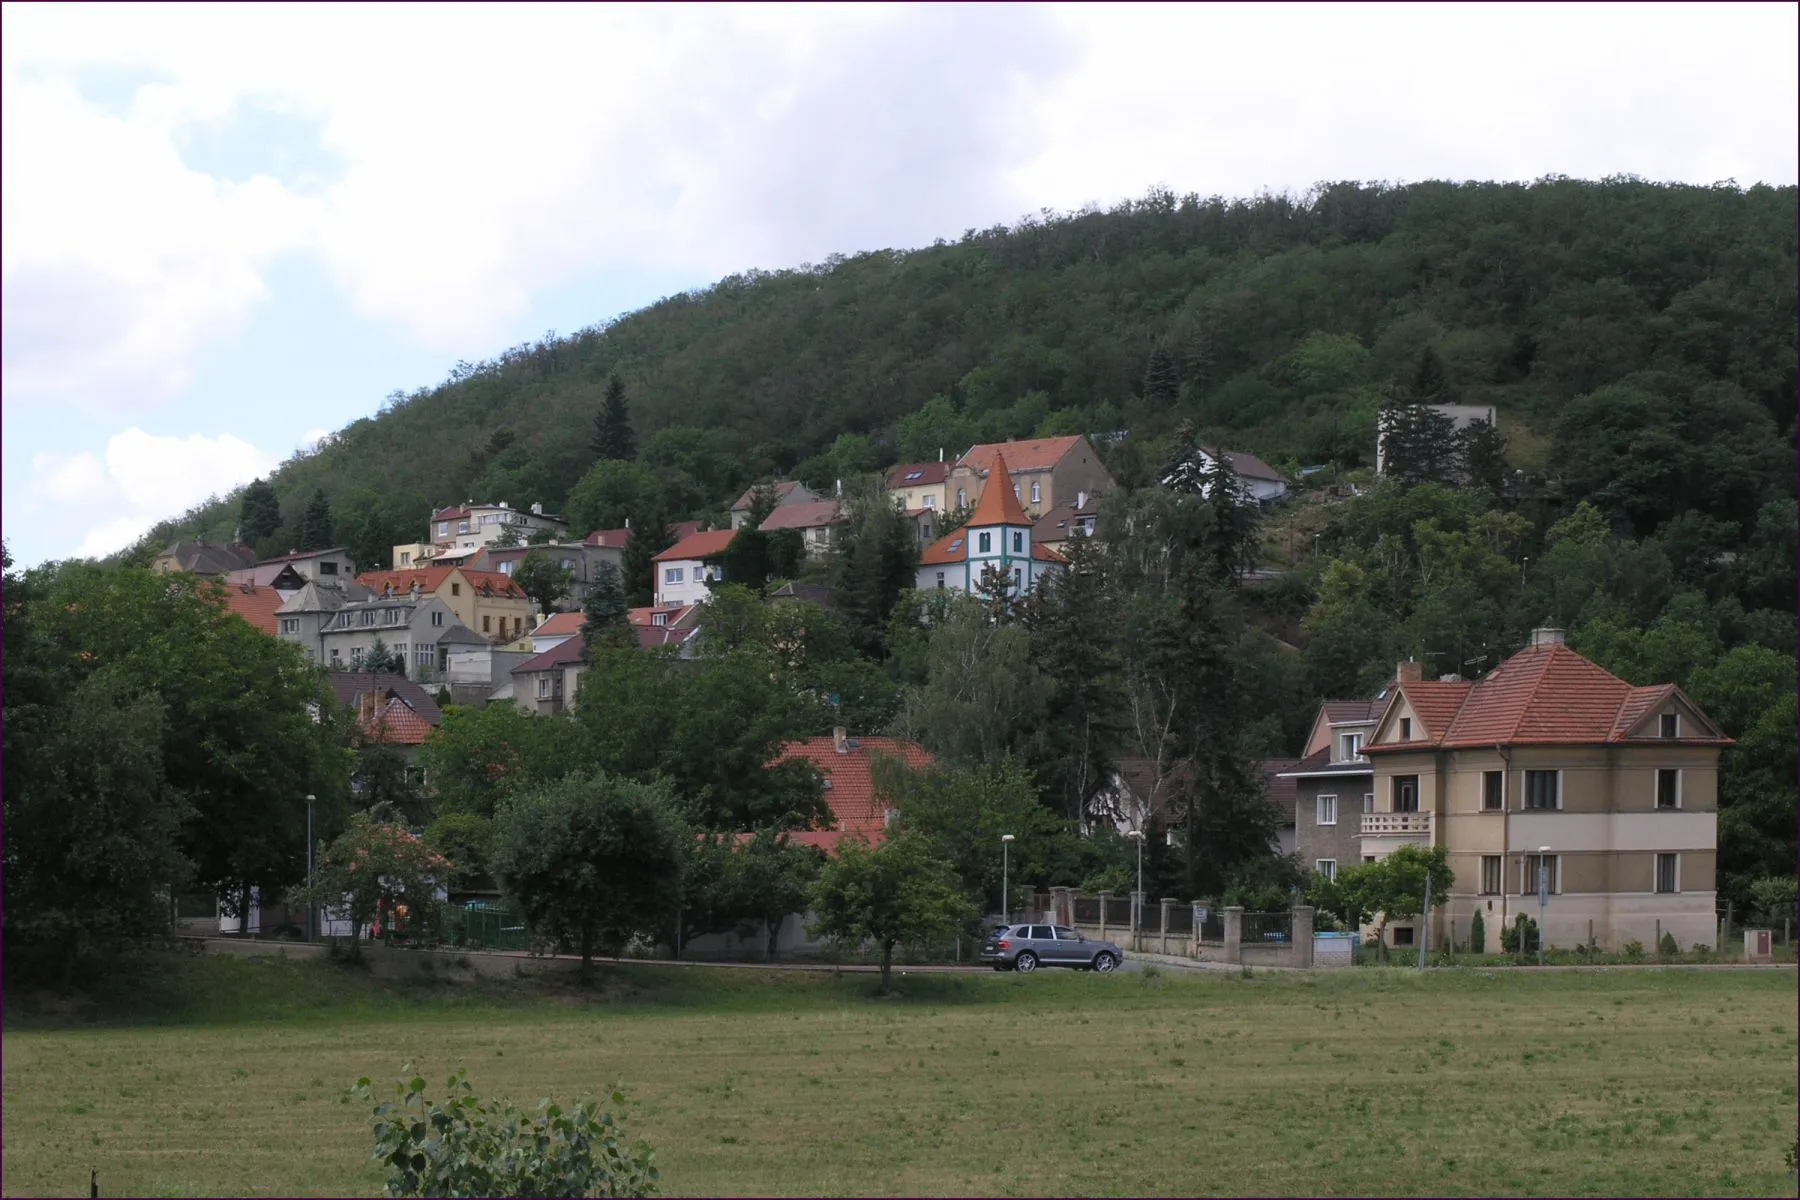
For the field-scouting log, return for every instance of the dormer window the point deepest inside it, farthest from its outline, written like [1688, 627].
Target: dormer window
[1350, 747]
[962, 498]
[1406, 729]
[1670, 726]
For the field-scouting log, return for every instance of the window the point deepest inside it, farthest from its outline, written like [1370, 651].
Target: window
[328, 568]
[1015, 491]
[368, 616]
[1018, 578]
[940, 579]
[1065, 934]
[914, 476]
[290, 624]
[568, 563]
[674, 574]
[1350, 747]
[1406, 729]
[1668, 873]
[456, 589]
[1668, 788]
[487, 624]
[1541, 790]
[437, 618]
[1368, 858]
[1368, 802]
[356, 656]
[462, 527]
[518, 626]
[1403, 935]
[443, 529]
[400, 651]
[406, 558]
[962, 498]
[422, 655]
[1670, 726]
[1327, 810]
[1528, 885]
[1406, 793]
[1490, 874]
[1493, 791]
[336, 657]
[390, 616]
[543, 687]
[929, 501]
[1037, 493]
[1326, 867]
[1018, 542]
[984, 543]
[661, 618]
[506, 567]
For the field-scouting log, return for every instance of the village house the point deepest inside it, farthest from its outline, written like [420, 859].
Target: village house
[340, 633]
[486, 601]
[546, 683]
[293, 570]
[820, 523]
[1334, 785]
[684, 569]
[204, 559]
[999, 537]
[580, 559]
[1044, 472]
[787, 491]
[1551, 758]
[469, 526]
[1258, 482]
[665, 616]
[1064, 523]
[920, 486]
[389, 710]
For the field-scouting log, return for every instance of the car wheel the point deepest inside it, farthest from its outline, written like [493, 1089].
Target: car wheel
[1104, 962]
[1025, 962]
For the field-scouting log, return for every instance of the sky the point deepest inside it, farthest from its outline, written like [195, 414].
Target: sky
[226, 231]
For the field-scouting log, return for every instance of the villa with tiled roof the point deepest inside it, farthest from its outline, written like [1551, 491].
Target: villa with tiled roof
[999, 536]
[1042, 473]
[1615, 787]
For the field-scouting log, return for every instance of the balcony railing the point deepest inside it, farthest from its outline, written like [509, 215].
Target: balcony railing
[1391, 824]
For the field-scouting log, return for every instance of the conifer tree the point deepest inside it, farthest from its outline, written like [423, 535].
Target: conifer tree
[315, 525]
[1162, 381]
[650, 536]
[613, 437]
[608, 616]
[259, 516]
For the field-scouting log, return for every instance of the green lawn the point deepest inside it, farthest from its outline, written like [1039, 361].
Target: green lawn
[226, 1077]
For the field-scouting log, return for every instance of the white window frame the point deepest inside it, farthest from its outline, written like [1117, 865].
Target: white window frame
[1675, 717]
[1325, 809]
[1525, 793]
[962, 497]
[462, 527]
[674, 575]
[940, 579]
[1528, 885]
[1350, 747]
[1656, 874]
[443, 529]
[1368, 802]
[1037, 493]
[1326, 867]
[1656, 793]
[1498, 862]
[543, 687]
[929, 500]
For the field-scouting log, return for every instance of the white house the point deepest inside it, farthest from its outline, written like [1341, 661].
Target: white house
[682, 571]
[998, 537]
[1260, 482]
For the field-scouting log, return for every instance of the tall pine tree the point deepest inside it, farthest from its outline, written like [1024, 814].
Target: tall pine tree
[608, 616]
[259, 516]
[1231, 521]
[315, 525]
[650, 536]
[1162, 381]
[613, 438]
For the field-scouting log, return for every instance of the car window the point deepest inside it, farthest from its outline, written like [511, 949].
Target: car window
[1040, 933]
[1067, 935]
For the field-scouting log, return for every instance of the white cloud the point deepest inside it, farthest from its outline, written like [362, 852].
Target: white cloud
[143, 478]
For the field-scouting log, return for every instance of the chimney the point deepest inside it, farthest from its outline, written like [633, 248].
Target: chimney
[628, 522]
[840, 489]
[537, 508]
[1408, 672]
[840, 740]
[1547, 637]
[940, 454]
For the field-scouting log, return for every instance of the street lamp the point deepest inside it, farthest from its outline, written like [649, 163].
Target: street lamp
[311, 900]
[1006, 841]
[1543, 896]
[1137, 835]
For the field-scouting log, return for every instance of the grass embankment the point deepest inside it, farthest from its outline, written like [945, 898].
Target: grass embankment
[223, 1076]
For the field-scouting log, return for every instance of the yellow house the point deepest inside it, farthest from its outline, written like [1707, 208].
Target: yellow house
[487, 602]
[1551, 760]
[916, 486]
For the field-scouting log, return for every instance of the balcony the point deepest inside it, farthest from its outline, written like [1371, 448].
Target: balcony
[1396, 824]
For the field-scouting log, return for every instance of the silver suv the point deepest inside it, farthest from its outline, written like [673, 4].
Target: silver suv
[1028, 947]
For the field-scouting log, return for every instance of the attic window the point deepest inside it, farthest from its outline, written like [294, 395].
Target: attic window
[1670, 726]
[912, 475]
[956, 545]
[1406, 729]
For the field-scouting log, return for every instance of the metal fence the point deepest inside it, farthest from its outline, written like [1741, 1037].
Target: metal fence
[1268, 928]
[1118, 911]
[1150, 918]
[1087, 910]
[1212, 927]
[490, 926]
[1181, 920]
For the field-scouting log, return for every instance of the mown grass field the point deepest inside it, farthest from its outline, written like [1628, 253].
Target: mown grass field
[226, 1076]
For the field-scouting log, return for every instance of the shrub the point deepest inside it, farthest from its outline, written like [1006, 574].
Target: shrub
[1668, 947]
[467, 1146]
[1478, 935]
[1522, 938]
[1634, 951]
[1773, 899]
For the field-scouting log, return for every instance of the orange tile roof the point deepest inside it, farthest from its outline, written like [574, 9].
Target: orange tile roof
[562, 624]
[397, 725]
[953, 547]
[923, 474]
[854, 805]
[493, 581]
[614, 538]
[698, 545]
[1035, 454]
[1543, 695]
[674, 614]
[998, 505]
[430, 579]
[812, 514]
[256, 605]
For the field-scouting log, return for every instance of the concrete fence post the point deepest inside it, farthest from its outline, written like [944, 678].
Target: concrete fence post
[1234, 934]
[1064, 905]
[1167, 903]
[1105, 903]
[1194, 933]
[1303, 936]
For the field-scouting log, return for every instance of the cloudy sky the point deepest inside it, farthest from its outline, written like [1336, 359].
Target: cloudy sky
[228, 230]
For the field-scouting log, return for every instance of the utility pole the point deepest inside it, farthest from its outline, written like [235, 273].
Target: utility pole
[1006, 841]
[312, 901]
[1543, 896]
[1425, 921]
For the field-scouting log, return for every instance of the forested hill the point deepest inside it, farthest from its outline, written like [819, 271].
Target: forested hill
[1282, 323]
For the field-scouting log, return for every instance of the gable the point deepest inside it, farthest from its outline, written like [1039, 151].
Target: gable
[1642, 717]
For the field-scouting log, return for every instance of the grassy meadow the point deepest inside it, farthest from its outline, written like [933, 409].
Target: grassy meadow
[222, 1076]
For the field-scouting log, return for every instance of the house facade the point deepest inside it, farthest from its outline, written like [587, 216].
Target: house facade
[819, 522]
[1258, 482]
[1065, 522]
[1549, 758]
[469, 526]
[545, 684]
[580, 559]
[292, 571]
[340, 635]
[203, 558]
[684, 569]
[916, 486]
[1334, 785]
[1044, 472]
[787, 491]
[486, 601]
[999, 537]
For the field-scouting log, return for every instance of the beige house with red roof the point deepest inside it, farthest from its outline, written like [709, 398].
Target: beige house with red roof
[1045, 472]
[1620, 783]
[819, 523]
[999, 536]
[486, 601]
[787, 491]
[684, 569]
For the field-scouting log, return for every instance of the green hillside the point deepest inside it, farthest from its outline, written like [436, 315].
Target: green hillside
[1282, 323]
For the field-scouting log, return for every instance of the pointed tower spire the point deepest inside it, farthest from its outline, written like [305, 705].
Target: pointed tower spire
[998, 505]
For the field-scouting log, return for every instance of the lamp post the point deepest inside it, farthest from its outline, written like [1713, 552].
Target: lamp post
[1543, 896]
[311, 900]
[1006, 841]
[1137, 899]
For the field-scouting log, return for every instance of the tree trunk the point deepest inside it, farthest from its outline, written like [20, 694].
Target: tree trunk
[773, 930]
[587, 956]
[887, 964]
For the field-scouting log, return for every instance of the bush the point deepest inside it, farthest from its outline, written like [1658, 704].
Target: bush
[1668, 947]
[1522, 938]
[1478, 935]
[1634, 951]
[1773, 899]
[471, 1147]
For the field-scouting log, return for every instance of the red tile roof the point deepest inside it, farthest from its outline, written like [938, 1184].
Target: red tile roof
[430, 579]
[652, 636]
[397, 725]
[918, 474]
[406, 715]
[857, 810]
[557, 657]
[1284, 794]
[998, 505]
[674, 614]
[1543, 695]
[256, 605]
[954, 548]
[565, 624]
[782, 488]
[614, 538]
[1035, 454]
[698, 545]
[814, 514]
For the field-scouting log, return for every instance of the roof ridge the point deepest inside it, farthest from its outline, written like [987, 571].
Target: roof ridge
[1531, 696]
